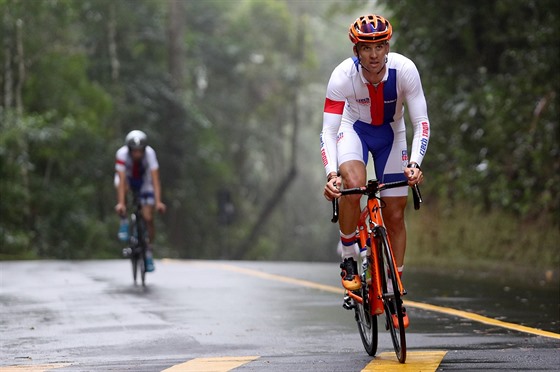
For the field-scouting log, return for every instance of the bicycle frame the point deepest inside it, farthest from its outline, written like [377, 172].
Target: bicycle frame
[367, 232]
[138, 239]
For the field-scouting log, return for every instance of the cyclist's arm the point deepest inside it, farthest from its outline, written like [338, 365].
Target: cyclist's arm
[120, 169]
[157, 185]
[332, 116]
[418, 113]
[154, 171]
[331, 123]
[121, 192]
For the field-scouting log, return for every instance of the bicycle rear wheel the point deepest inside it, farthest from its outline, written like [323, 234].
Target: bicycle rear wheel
[391, 297]
[367, 323]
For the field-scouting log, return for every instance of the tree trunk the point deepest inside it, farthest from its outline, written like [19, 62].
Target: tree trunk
[8, 72]
[112, 41]
[21, 67]
[176, 29]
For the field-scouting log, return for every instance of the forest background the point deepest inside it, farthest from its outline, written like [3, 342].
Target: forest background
[231, 94]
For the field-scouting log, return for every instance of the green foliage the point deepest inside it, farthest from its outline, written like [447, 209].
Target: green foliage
[251, 77]
[490, 74]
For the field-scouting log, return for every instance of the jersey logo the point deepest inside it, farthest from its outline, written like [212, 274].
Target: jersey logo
[363, 101]
[404, 158]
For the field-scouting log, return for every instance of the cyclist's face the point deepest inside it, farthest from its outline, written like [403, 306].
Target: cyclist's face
[137, 154]
[372, 54]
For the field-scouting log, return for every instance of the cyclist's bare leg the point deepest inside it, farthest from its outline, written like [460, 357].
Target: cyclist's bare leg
[148, 214]
[393, 217]
[353, 174]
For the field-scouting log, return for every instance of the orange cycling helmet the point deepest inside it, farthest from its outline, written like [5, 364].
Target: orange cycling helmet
[370, 28]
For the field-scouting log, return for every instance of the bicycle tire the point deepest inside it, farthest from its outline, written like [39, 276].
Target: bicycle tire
[142, 267]
[391, 301]
[142, 247]
[134, 261]
[367, 323]
[133, 242]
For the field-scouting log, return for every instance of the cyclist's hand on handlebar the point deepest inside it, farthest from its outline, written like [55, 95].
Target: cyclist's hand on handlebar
[414, 176]
[332, 188]
[120, 208]
[160, 207]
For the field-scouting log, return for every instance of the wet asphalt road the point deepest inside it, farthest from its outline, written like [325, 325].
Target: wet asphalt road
[88, 316]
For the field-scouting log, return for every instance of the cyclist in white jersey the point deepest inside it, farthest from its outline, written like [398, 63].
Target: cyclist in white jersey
[364, 113]
[137, 169]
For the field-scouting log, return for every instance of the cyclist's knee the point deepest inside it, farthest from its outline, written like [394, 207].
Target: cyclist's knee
[147, 213]
[352, 199]
[393, 213]
[353, 174]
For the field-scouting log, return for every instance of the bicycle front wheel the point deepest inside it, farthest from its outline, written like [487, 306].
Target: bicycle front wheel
[367, 323]
[142, 247]
[392, 301]
[133, 241]
[142, 265]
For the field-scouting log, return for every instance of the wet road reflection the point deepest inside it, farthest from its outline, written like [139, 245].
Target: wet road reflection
[533, 303]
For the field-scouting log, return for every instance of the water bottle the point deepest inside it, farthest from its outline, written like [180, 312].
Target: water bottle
[123, 230]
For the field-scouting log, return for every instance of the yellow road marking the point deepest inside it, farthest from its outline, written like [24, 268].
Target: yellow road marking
[33, 368]
[482, 319]
[285, 279]
[424, 361]
[222, 364]
[414, 304]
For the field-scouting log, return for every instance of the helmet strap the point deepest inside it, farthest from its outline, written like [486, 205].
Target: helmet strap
[358, 56]
[384, 64]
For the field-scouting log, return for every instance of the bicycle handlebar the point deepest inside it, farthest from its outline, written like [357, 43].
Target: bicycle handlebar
[372, 188]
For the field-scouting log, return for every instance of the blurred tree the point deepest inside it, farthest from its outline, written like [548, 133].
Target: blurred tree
[231, 95]
[52, 115]
[490, 73]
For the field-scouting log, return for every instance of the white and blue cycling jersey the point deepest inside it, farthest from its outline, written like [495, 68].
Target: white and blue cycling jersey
[361, 118]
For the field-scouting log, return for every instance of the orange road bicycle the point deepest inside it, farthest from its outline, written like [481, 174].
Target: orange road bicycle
[382, 288]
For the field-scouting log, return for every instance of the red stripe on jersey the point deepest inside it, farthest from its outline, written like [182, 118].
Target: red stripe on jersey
[377, 103]
[334, 107]
[121, 162]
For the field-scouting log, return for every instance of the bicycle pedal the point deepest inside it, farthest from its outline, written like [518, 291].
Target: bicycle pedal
[347, 303]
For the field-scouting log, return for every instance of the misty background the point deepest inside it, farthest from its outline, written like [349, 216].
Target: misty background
[231, 95]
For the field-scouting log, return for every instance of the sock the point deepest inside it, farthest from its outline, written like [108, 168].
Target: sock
[348, 241]
[390, 282]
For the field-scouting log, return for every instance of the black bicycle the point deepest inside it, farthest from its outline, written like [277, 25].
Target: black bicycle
[138, 240]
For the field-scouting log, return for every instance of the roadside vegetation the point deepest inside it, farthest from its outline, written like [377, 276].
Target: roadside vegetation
[231, 94]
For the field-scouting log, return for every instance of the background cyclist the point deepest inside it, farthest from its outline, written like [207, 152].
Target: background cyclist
[364, 113]
[137, 169]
